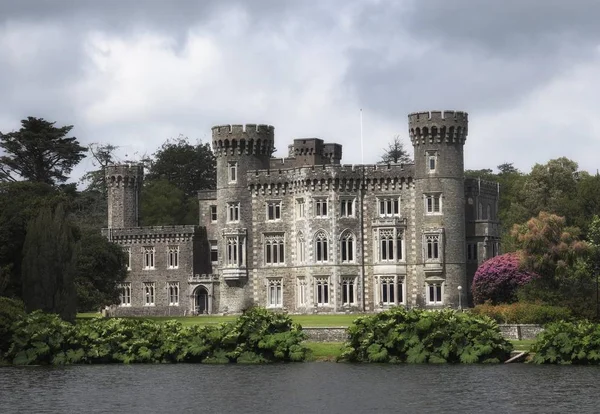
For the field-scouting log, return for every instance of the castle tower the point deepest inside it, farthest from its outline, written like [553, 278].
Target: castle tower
[438, 139]
[124, 182]
[238, 149]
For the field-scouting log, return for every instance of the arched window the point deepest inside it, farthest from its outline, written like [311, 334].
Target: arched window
[321, 247]
[347, 245]
[489, 212]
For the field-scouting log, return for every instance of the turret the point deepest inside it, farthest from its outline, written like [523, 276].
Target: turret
[124, 182]
[438, 139]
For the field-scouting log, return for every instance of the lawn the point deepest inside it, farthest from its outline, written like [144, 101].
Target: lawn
[324, 351]
[523, 345]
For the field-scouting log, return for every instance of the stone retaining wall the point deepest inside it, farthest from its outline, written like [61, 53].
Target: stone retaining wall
[328, 334]
[520, 331]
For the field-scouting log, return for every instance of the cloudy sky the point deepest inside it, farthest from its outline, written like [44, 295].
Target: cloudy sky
[136, 72]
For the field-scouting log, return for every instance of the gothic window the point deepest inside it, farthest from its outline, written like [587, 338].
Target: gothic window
[347, 207]
[173, 257]
[125, 294]
[347, 245]
[235, 251]
[391, 245]
[148, 258]
[127, 251]
[389, 207]
[321, 207]
[434, 293]
[489, 212]
[214, 251]
[431, 161]
[433, 204]
[274, 246]
[472, 252]
[213, 214]
[232, 172]
[173, 288]
[274, 210]
[275, 292]
[387, 290]
[432, 247]
[233, 212]
[348, 290]
[322, 290]
[480, 212]
[301, 248]
[149, 291]
[300, 212]
[321, 247]
[302, 293]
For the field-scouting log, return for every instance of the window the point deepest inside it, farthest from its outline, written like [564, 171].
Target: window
[321, 207]
[125, 294]
[214, 251]
[433, 204]
[149, 290]
[148, 258]
[431, 161]
[434, 293]
[274, 249]
[233, 212]
[275, 293]
[322, 288]
[321, 247]
[274, 210]
[347, 207]
[127, 251]
[494, 249]
[300, 212]
[489, 212]
[387, 290]
[232, 170]
[472, 252]
[213, 214]
[173, 262]
[391, 245]
[389, 207]
[235, 250]
[432, 246]
[347, 247]
[301, 248]
[301, 291]
[173, 288]
[348, 290]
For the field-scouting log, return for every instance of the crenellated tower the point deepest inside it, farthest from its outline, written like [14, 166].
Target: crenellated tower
[124, 182]
[438, 138]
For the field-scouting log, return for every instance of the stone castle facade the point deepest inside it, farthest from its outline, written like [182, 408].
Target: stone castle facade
[306, 234]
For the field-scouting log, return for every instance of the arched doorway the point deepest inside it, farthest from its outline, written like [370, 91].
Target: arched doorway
[201, 301]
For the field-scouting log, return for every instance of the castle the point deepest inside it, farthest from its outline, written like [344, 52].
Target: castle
[306, 234]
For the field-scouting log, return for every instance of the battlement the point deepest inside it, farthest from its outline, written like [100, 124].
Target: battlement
[124, 174]
[438, 126]
[250, 139]
[475, 186]
[139, 234]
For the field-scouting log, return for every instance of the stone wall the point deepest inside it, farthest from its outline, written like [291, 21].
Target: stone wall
[326, 334]
[520, 331]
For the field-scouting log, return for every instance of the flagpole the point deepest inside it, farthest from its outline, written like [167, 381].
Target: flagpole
[362, 148]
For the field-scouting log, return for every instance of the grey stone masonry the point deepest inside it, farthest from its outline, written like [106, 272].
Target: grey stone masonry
[308, 234]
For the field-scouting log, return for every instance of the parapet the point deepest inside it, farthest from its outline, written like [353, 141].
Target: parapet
[250, 139]
[125, 174]
[438, 126]
[141, 234]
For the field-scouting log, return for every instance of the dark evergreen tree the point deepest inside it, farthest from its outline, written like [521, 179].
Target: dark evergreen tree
[395, 153]
[39, 152]
[49, 264]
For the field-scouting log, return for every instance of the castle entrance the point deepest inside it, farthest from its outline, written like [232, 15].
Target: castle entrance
[201, 301]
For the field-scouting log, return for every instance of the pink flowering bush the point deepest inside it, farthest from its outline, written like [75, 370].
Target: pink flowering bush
[498, 279]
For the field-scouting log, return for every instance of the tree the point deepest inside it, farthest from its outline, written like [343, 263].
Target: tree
[498, 279]
[163, 204]
[395, 153]
[49, 264]
[189, 167]
[101, 266]
[39, 152]
[102, 156]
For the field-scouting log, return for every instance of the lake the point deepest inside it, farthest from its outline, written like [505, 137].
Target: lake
[317, 387]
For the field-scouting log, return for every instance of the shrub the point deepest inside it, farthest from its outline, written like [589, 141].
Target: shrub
[498, 279]
[568, 343]
[522, 312]
[419, 336]
[10, 311]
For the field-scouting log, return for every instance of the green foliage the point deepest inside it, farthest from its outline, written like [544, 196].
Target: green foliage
[258, 336]
[101, 266]
[163, 204]
[49, 265]
[11, 310]
[395, 153]
[522, 312]
[39, 152]
[420, 336]
[568, 343]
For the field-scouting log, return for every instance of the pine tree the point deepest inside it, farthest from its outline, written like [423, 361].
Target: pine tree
[49, 258]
